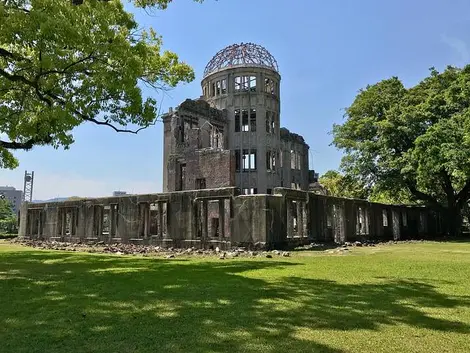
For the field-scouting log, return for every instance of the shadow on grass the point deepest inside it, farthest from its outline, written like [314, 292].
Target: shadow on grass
[59, 302]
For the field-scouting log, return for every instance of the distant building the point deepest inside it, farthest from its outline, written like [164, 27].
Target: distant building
[119, 193]
[13, 195]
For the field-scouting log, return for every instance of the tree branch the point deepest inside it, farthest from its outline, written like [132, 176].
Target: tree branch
[25, 145]
[463, 195]
[447, 186]
[421, 195]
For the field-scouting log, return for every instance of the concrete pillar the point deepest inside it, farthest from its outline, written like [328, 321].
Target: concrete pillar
[22, 232]
[290, 218]
[396, 224]
[222, 218]
[300, 223]
[204, 220]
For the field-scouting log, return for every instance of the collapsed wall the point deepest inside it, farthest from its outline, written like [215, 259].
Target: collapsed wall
[223, 218]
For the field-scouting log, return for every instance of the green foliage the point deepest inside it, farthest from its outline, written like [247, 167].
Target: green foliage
[340, 185]
[62, 65]
[343, 185]
[391, 298]
[8, 220]
[415, 140]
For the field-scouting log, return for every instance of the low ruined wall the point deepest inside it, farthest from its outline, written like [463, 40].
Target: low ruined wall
[223, 218]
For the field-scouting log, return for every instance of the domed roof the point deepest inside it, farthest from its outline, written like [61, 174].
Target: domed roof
[244, 54]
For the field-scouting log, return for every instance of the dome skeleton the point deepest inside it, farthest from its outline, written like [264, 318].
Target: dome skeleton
[248, 54]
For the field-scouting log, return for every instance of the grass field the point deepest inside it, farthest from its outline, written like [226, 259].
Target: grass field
[398, 298]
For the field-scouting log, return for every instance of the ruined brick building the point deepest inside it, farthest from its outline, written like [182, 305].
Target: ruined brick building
[231, 135]
[255, 177]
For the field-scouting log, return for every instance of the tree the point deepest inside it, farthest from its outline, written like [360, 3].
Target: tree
[62, 65]
[343, 185]
[414, 140]
[7, 217]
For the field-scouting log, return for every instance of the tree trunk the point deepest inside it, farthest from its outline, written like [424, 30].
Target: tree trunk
[454, 221]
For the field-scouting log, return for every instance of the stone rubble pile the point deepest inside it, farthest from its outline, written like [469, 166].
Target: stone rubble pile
[171, 253]
[146, 250]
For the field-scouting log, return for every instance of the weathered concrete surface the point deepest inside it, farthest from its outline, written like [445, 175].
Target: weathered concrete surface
[223, 218]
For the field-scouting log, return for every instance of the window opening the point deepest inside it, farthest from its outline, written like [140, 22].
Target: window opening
[269, 85]
[224, 86]
[250, 191]
[238, 83]
[268, 122]
[245, 83]
[270, 161]
[385, 218]
[252, 83]
[249, 160]
[244, 120]
[237, 160]
[252, 119]
[218, 88]
[237, 120]
[200, 183]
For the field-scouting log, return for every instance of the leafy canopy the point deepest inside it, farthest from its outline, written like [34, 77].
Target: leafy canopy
[62, 65]
[342, 185]
[414, 141]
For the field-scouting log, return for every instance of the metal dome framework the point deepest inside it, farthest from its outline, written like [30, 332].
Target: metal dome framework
[244, 54]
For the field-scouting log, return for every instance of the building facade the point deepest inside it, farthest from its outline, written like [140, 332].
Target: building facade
[12, 195]
[232, 135]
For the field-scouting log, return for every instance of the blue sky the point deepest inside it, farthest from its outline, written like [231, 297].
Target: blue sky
[326, 50]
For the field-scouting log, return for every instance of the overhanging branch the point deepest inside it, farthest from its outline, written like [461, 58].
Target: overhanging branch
[27, 145]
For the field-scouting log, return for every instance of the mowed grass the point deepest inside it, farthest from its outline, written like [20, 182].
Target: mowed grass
[400, 298]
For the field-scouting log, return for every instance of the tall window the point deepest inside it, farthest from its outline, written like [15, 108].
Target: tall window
[270, 161]
[218, 87]
[385, 218]
[252, 119]
[237, 120]
[269, 86]
[238, 83]
[213, 90]
[268, 122]
[245, 83]
[293, 156]
[252, 83]
[224, 86]
[249, 159]
[245, 120]
[237, 160]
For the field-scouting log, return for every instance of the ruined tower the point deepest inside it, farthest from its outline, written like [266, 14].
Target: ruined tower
[241, 87]
[244, 79]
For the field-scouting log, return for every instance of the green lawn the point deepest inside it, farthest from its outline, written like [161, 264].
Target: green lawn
[399, 298]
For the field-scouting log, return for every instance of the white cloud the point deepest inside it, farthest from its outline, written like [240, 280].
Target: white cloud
[459, 46]
[47, 186]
